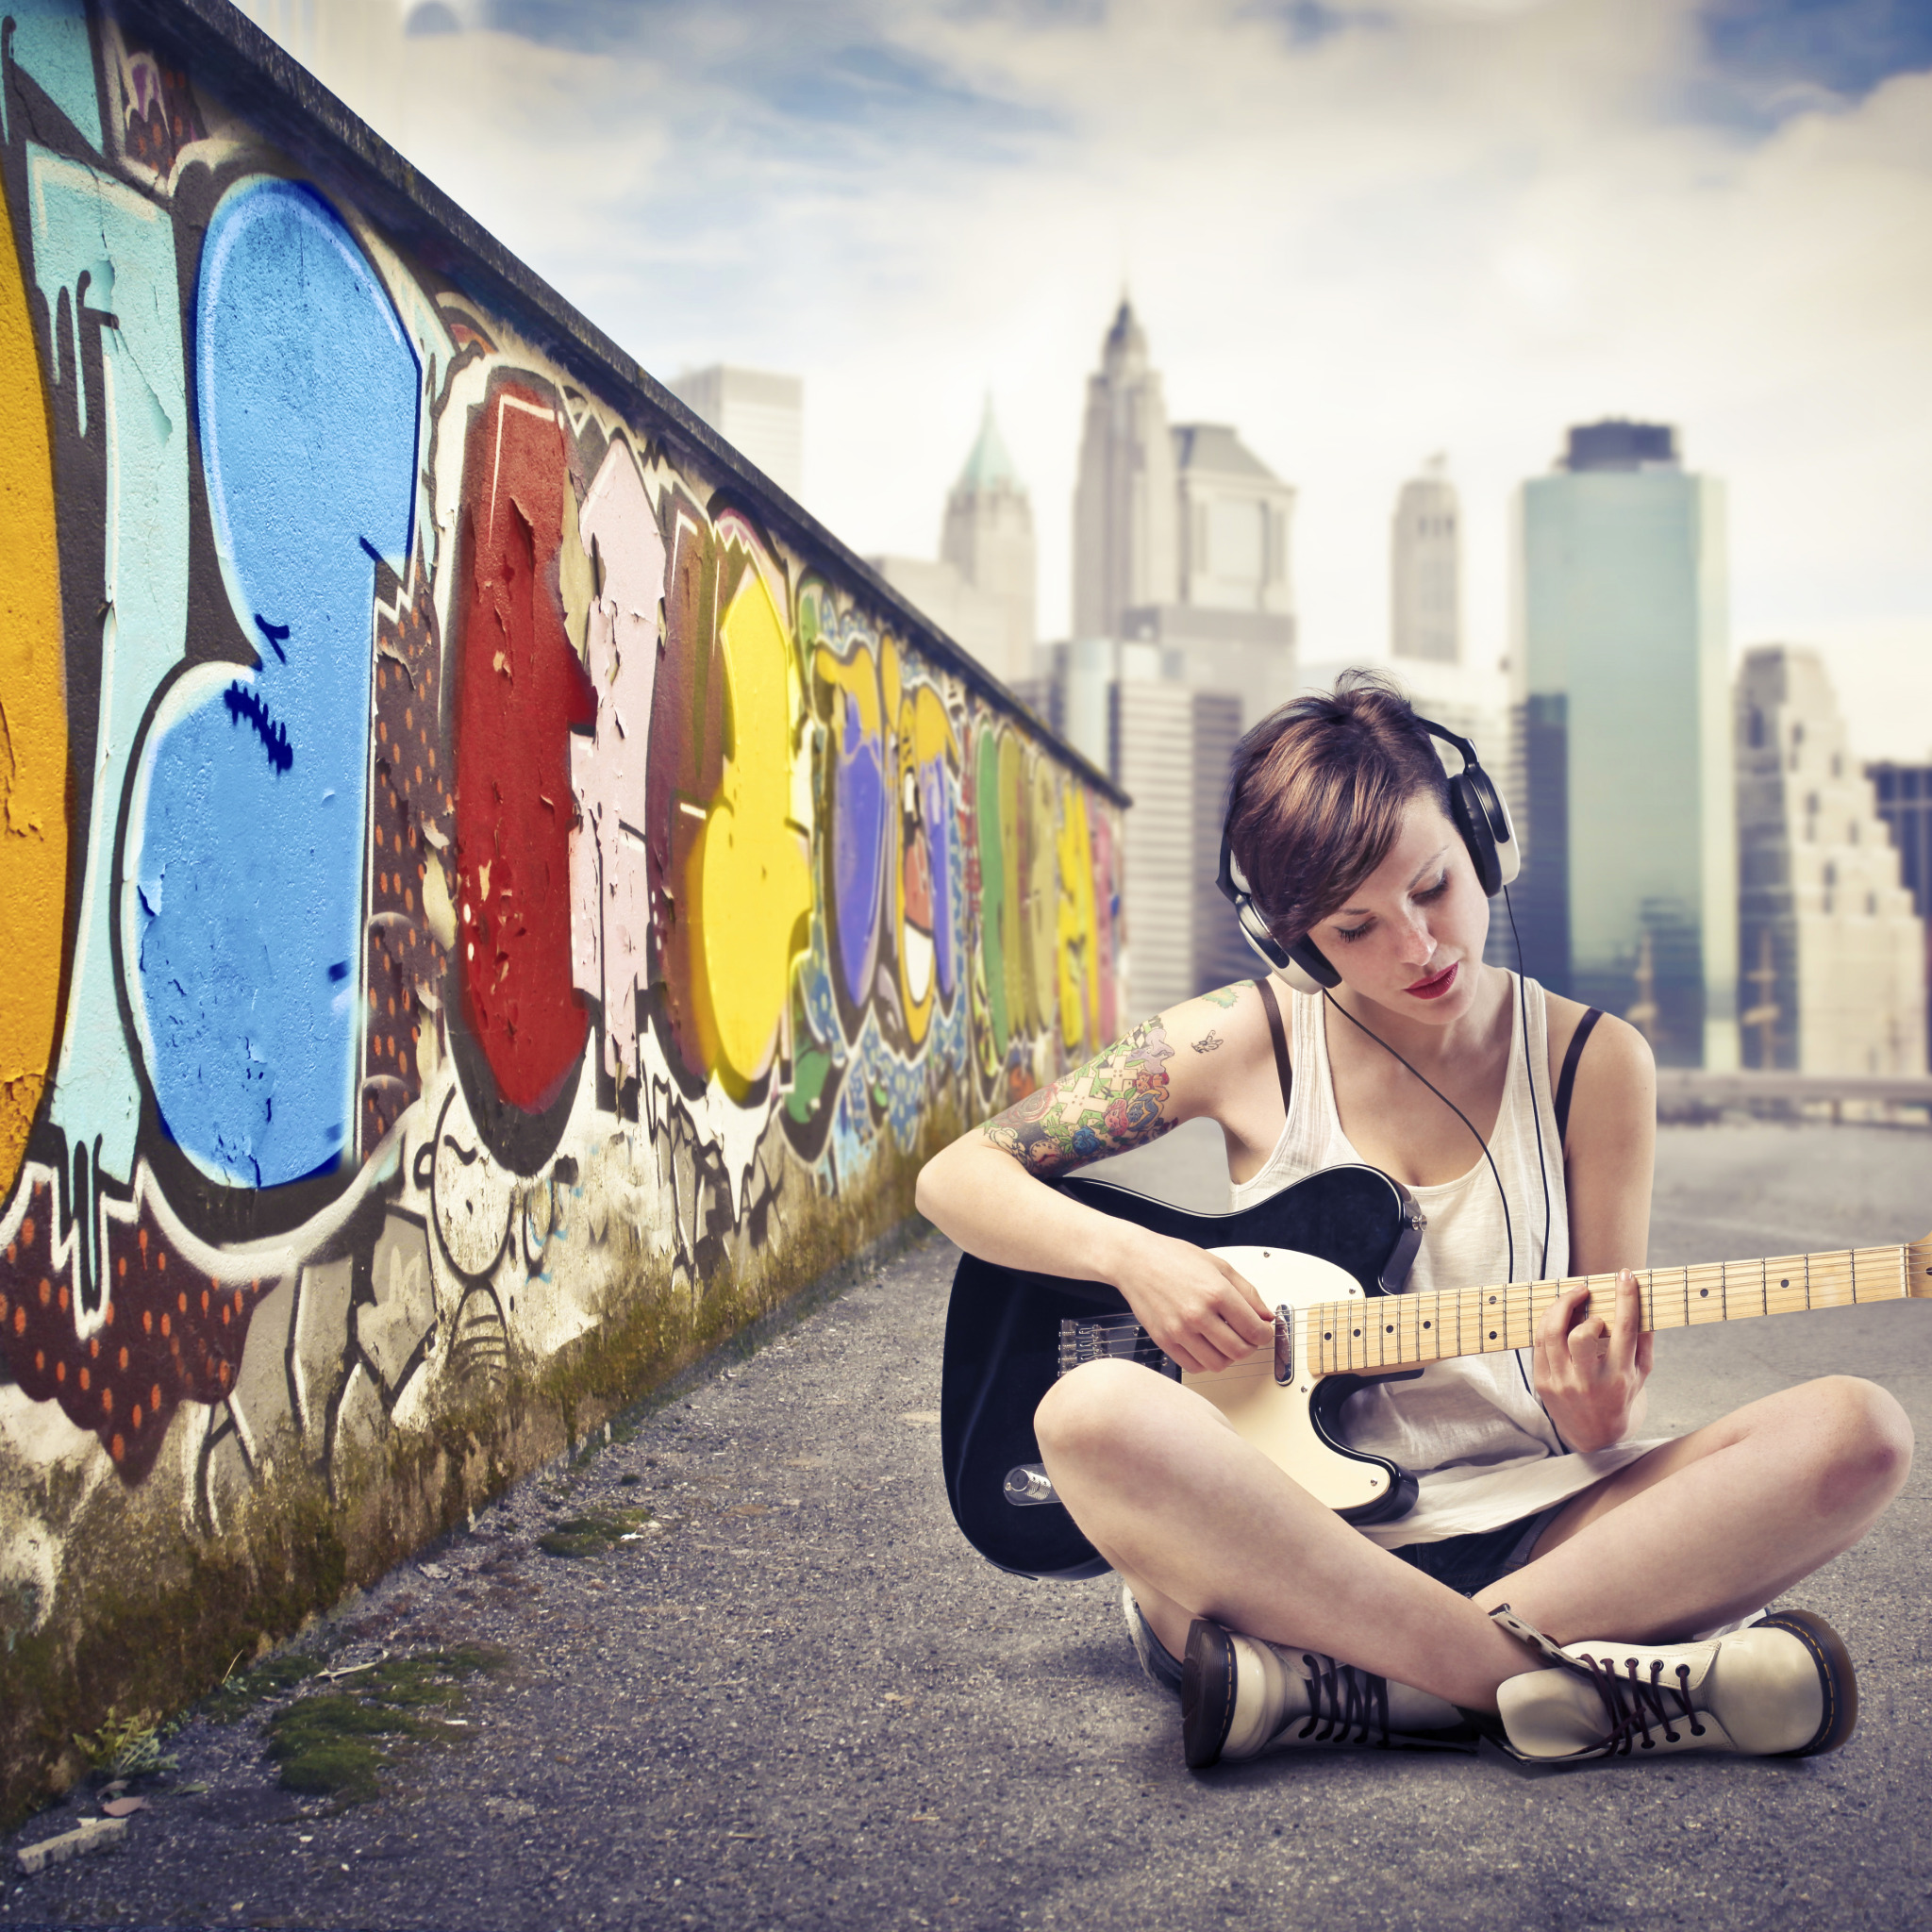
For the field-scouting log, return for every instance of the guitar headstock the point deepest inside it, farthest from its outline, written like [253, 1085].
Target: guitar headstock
[1919, 1272]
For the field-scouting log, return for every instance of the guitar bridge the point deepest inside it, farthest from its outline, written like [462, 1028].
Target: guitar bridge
[1113, 1338]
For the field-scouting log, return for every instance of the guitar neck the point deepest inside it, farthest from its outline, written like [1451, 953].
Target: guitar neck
[1405, 1330]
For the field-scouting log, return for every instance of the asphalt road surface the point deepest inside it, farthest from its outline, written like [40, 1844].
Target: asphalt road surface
[802, 1701]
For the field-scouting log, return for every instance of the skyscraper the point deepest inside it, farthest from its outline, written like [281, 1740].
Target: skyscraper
[1425, 568]
[1125, 550]
[1629, 897]
[760, 414]
[1829, 946]
[988, 538]
[1229, 624]
[1905, 803]
[1184, 635]
[980, 589]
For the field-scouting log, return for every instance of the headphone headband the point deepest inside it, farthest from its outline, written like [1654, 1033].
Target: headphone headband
[1479, 814]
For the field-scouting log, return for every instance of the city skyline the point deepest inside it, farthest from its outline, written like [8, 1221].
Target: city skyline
[1361, 233]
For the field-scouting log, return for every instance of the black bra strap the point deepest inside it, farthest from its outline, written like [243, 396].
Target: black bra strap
[1280, 1039]
[1567, 1079]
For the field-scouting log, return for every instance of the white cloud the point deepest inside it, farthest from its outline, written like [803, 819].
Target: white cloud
[1446, 225]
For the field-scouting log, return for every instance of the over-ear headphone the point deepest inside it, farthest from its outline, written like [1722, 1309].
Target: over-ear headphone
[1478, 813]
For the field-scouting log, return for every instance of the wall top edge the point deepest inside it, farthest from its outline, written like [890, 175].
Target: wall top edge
[223, 47]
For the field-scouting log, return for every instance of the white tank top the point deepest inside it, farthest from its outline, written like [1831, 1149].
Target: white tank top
[1471, 1431]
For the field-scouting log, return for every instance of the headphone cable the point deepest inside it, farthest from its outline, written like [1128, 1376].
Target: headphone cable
[1529, 1074]
[1508, 1231]
[1542, 1165]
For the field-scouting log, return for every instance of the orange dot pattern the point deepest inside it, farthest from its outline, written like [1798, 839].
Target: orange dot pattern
[169, 1334]
[411, 792]
[160, 115]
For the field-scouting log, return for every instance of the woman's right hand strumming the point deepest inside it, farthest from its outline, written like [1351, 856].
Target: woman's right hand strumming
[985, 1190]
[1194, 1303]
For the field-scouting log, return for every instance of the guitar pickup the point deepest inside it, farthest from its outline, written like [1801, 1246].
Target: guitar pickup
[1120, 1337]
[1112, 1337]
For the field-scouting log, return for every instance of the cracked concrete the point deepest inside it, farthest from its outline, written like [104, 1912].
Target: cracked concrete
[803, 1702]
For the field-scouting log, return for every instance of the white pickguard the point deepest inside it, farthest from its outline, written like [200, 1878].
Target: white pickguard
[1272, 1415]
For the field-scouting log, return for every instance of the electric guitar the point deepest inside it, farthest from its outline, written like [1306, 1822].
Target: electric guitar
[1332, 1253]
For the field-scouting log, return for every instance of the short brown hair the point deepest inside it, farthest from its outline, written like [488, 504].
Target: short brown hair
[1316, 793]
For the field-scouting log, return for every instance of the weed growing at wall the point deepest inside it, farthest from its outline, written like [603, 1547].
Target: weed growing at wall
[334, 1743]
[493, 911]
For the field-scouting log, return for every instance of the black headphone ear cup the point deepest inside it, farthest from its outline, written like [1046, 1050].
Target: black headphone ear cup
[1306, 958]
[1255, 930]
[1472, 821]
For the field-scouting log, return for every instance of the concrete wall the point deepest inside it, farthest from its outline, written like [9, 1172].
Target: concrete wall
[494, 897]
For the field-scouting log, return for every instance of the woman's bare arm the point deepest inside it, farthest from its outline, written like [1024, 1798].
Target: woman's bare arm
[985, 1190]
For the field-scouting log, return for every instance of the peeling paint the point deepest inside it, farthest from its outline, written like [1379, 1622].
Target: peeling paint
[483, 917]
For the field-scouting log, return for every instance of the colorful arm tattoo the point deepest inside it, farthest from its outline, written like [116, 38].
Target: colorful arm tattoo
[1114, 1102]
[1226, 995]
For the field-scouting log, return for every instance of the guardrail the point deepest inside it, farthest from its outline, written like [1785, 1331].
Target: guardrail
[1691, 1092]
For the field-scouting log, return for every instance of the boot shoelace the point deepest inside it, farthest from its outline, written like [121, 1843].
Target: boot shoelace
[1342, 1702]
[1635, 1707]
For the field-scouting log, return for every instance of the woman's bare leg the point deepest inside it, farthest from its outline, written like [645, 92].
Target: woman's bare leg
[1719, 1523]
[1198, 1523]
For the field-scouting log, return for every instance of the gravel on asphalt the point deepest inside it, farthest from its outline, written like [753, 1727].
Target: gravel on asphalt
[778, 1690]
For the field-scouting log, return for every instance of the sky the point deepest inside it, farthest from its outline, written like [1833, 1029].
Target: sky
[1362, 231]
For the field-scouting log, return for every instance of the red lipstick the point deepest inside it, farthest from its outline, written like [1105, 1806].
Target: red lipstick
[1434, 989]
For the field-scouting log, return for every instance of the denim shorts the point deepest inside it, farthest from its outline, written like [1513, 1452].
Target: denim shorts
[1472, 1562]
[1465, 1563]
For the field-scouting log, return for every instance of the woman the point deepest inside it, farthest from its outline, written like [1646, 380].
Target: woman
[1543, 1520]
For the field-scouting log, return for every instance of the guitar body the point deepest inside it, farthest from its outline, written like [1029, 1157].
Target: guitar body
[1344, 1230]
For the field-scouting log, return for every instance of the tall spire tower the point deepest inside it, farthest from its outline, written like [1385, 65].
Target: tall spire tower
[988, 537]
[1126, 547]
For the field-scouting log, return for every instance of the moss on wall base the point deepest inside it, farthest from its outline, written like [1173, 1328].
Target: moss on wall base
[146, 1618]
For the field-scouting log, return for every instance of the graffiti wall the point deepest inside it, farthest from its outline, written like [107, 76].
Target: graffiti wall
[477, 891]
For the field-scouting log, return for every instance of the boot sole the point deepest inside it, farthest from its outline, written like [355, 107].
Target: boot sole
[1208, 1687]
[1835, 1672]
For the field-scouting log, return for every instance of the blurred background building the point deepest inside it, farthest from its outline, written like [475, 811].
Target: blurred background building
[1629, 896]
[1184, 635]
[982, 587]
[1426, 568]
[761, 414]
[1831, 949]
[1905, 803]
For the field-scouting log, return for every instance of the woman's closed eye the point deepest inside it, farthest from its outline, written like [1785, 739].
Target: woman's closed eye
[1428, 896]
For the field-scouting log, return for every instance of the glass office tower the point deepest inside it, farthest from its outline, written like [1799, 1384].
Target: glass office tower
[1630, 888]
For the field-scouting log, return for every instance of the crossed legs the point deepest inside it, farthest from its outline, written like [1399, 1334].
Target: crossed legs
[1704, 1529]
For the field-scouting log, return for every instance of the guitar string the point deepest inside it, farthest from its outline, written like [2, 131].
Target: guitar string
[1828, 1279]
[1834, 1283]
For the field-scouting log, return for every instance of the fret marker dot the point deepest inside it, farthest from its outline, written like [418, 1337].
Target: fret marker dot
[1328, 1335]
[1786, 1283]
[1703, 1294]
[1355, 1331]
[1431, 1325]
[1493, 1335]
[1389, 1328]
[1492, 1301]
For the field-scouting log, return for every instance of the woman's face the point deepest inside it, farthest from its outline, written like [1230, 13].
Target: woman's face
[1412, 935]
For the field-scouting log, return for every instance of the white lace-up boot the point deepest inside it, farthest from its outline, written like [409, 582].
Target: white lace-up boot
[1783, 1688]
[1241, 1696]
